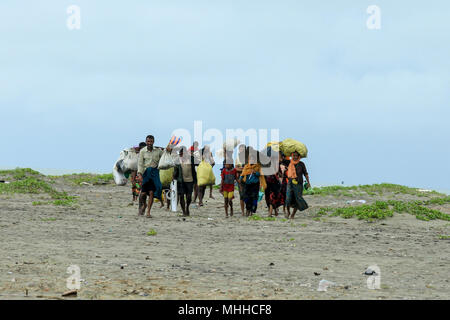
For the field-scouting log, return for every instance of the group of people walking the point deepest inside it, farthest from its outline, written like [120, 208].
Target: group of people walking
[281, 189]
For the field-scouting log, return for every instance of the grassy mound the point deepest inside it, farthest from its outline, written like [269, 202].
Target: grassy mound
[384, 209]
[94, 179]
[372, 190]
[25, 180]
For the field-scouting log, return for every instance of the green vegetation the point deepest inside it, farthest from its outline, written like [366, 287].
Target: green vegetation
[25, 180]
[19, 173]
[438, 201]
[444, 237]
[373, 189]
[152, 232]
[95, 179]
[384, 209]
[255, 217]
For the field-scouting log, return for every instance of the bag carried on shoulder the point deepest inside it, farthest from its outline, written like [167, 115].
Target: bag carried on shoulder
[166, 161]
[205, 175]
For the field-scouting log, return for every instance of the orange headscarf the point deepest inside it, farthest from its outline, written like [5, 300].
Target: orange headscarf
[248, 169]
[291, 172]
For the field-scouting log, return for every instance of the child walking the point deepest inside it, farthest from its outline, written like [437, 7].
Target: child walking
[229, 176]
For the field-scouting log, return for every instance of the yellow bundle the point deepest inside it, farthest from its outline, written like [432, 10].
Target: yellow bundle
[205, 175]
[288, 146]
[166, 177]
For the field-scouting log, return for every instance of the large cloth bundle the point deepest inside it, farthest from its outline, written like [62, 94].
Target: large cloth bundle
[119, 177]
[288, 146]
[127, 162]
[167, 161]
[205, 174]
[130, 159]
[166, 177]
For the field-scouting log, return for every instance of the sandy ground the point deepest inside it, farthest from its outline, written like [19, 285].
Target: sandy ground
[206, 256]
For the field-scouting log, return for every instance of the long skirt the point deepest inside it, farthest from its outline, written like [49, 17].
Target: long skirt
[251, 193]
[294, 196]
[274, 192]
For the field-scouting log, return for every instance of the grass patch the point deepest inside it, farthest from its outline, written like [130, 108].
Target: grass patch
[152, 232]
[39, 203]
[28, 181]
[19, 173]
[384, 209]
[95, 179]
[324, 211]
[438, 201]
[373, 190]
[256, 217]
[444, 237]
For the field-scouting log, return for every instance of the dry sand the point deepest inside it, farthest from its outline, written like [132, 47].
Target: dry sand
[206, 256]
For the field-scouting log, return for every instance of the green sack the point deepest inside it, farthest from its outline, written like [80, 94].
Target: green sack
[166, 177]
[288, 146]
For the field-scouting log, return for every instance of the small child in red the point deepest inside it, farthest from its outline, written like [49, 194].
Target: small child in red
[229, 176]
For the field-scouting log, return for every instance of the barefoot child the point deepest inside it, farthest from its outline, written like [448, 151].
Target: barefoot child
[229, 176]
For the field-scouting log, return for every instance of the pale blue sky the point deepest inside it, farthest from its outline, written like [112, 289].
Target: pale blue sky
[371, 105]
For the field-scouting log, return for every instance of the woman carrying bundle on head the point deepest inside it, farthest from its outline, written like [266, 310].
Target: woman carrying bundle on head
[294, 194]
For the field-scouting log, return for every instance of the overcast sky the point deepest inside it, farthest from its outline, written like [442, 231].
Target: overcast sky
[371, 105]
